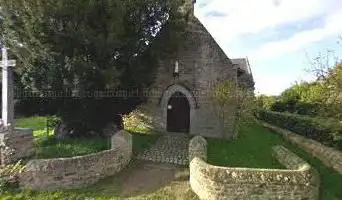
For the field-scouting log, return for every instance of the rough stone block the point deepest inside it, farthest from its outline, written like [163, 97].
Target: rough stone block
[16, 145]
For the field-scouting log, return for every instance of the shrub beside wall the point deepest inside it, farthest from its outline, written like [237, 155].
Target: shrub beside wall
[325, 131]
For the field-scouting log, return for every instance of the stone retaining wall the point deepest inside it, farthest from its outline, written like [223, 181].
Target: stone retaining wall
[16, 145]
[80, 171]
[214, 183]
[329, 156]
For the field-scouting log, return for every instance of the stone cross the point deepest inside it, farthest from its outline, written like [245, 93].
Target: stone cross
[7, 90]
[176, 67]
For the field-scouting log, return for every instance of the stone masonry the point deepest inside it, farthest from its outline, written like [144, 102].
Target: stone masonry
[171, 148]
[329, 156]
[298, 182]
[80, 171]
[198, 148]
[202, 63]
[16, 145]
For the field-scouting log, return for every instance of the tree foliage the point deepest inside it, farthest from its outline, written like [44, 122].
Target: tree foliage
[86, 46]
[265, 102]
[321, 97]
[327, 68]
[233, 105]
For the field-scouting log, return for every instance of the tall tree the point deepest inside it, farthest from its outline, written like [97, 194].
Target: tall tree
[87, 46]
[327, 68]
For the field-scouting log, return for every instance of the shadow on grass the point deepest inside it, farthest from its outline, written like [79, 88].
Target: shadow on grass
[50, 147]
[143, 141]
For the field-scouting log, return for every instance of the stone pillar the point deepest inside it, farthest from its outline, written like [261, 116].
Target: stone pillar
[15, 144]
[7, 91]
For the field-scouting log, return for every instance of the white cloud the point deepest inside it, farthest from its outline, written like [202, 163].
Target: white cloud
[251, 16]
[273, 84]
[263, 84]
[333, 27]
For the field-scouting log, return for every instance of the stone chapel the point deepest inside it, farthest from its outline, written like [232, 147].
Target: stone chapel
[179, 103]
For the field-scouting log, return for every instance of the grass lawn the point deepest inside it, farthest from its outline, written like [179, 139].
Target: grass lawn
[37, 123]
[48, 147]
[52, 148]
[253, 149]
[143, 141]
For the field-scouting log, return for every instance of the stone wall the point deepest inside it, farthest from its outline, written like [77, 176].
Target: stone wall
[298, 182]
[329, 156]
[16, 145]
[288, 159]
[198, 148]
[80, 171]
[201, 64]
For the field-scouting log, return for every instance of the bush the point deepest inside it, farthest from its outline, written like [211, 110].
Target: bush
[326, 131]
[297, 107]
[137, 122]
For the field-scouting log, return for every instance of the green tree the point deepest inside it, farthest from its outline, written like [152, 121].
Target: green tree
[87, 46]
[302, 98]
[327, 68]
[265, 102]
[232, 103]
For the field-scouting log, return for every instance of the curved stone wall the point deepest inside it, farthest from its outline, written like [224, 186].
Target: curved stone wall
[80, 171]
[213, 182]
[329, 156]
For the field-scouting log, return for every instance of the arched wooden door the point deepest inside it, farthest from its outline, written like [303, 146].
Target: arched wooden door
[178, 113]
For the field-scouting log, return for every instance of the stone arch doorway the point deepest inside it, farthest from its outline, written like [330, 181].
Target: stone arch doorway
[178, 113]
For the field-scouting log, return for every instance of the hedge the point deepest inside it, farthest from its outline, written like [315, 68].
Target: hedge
[326, 131]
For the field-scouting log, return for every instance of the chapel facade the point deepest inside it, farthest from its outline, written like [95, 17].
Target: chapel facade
[180, 103]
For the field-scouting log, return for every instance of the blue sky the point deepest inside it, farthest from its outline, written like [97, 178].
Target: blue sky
[279, 37]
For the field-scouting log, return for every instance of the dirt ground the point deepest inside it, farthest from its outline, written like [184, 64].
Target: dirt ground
[147, 180]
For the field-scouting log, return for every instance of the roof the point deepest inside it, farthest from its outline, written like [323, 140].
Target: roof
[242, 64]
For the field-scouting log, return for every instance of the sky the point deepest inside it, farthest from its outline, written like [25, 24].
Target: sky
[281, 38]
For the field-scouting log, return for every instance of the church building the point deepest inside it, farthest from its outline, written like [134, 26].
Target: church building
[181, 103]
